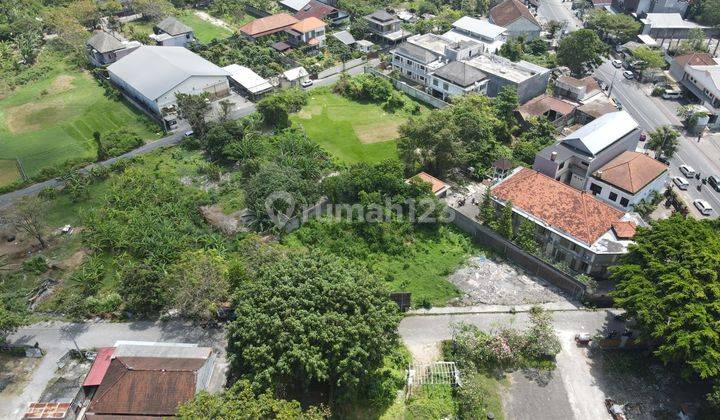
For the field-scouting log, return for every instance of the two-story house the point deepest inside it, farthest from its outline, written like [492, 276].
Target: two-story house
[386, 27]
[457, 78]
[572, 226]
[628, 179]
[516, 18]
[490, 36]
[420, 55]
[587, 149]
[104, 49]
[170, 32]
[703, 81]
[309, 31]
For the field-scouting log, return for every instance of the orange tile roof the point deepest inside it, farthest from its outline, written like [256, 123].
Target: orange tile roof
[695, 59]
[268, 25]
[308, 24]
[624, 230]
[544, 103]
[46, 411]
[631, 171]
[509, 11]
[435, 184]
[574, 212]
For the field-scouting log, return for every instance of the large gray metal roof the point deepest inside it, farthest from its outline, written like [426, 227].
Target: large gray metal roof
[172, 26]
[103, 42]
[600, 133]
[460, 73]
[153, 71]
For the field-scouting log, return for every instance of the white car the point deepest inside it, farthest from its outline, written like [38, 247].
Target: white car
[681, 182]
[306, 83]
[703, 206]
[688, 171]
[628, 74]
[617, 63]
[189, 133]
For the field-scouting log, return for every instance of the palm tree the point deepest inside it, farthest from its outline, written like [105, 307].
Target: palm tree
[664, 140]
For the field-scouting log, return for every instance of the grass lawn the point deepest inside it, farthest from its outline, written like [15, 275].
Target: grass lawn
[421, 269]
[350, 130]
[52, 119]
[204, 30]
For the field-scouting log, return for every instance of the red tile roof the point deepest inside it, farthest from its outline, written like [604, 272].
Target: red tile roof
[509, 11]
[631, 171]
[624, 230]
[315, 9]
[574, 212]
[695, 59]
[268, 25]
[99, 366]
[540, 105]
[308, 24]
[435, 184]
[146, 386]
[46, 410]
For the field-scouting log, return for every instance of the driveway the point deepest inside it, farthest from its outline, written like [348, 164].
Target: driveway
[568, 392]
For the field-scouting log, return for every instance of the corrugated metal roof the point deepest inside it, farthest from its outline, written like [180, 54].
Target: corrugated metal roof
[153, 71]
[247, 78]
[601, 133]
[99, 366]
[173, 26]
[479, 26]
[294, 4]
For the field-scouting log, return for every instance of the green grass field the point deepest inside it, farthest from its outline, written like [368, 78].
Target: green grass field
[204, 31]
[350, 130]
[52, 119]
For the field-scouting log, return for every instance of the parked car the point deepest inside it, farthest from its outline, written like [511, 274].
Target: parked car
[703, 206]
[714, 182]
[617, 63]
[681, 182]
[671, 94]
[189, 133]
[306, 83]
[662, 158]
[688, 171]
[628, 74]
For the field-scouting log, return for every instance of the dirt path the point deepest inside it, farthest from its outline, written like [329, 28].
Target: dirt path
[215, 21]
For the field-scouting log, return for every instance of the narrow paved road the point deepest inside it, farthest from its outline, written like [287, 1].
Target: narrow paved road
[558, 11]
[652, 112]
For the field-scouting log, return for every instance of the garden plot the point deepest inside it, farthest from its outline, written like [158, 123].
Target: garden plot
[487, 281]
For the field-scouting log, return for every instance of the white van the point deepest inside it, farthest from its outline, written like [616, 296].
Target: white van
[671, 94]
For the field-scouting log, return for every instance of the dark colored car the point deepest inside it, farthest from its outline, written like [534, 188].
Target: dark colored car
[714, 182]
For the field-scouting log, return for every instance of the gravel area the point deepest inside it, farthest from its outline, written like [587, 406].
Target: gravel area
[486, 281]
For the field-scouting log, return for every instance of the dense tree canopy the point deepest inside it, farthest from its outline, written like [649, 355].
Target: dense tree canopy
[612, 26]
[240, 402]
[277, 107]
[461, 135]
[670, 283]
[311, 323]
[579, 49]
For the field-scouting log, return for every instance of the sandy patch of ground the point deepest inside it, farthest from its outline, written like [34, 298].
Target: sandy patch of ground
[34, 115]
[485, 281]
[61, 83]
[309, 111]
[215, 21]
[14, 373]
[374, 133]
[226, 223]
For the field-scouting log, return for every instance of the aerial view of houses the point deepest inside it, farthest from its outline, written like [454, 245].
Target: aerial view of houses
[323, 209]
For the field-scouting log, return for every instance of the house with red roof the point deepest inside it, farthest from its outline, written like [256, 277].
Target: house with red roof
[514, 16]
[573, 226]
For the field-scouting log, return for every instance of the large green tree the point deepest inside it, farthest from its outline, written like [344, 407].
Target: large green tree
[240, 402]
[670, 283]
[616, 26]
[311, 323]
[460, 135]
[579, 49]
[664, 139]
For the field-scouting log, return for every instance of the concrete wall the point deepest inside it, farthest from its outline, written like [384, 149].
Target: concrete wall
[657, 185]
[195, 85]
[523, 27]
[340, 68]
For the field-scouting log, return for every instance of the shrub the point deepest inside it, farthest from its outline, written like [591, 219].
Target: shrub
[35, 265]
[48, 193]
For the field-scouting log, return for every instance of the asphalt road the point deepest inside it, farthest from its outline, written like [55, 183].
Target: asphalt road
[558, 11]
[652, 112]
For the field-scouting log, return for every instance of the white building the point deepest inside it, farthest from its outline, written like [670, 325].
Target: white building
[420, 55]
[152, 76]
[294, 77]
[247, 80]
[588, 149]
[628, 179]
[490, 36]
[530, 80]
[457, 78]
[170, 32]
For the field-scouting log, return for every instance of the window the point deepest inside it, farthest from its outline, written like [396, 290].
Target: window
[595, 188]
[561, 165]
[435, 82]
[409, 61]
[624, 202]
[445, 86]
[583, 266]
[422, 67]
[612, 196]
[584, 163]
[422, 79]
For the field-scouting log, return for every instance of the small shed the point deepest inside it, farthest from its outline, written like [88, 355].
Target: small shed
[345, 37]
[502, 168]
[364, 45]
[294, 76]
[246, 80]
